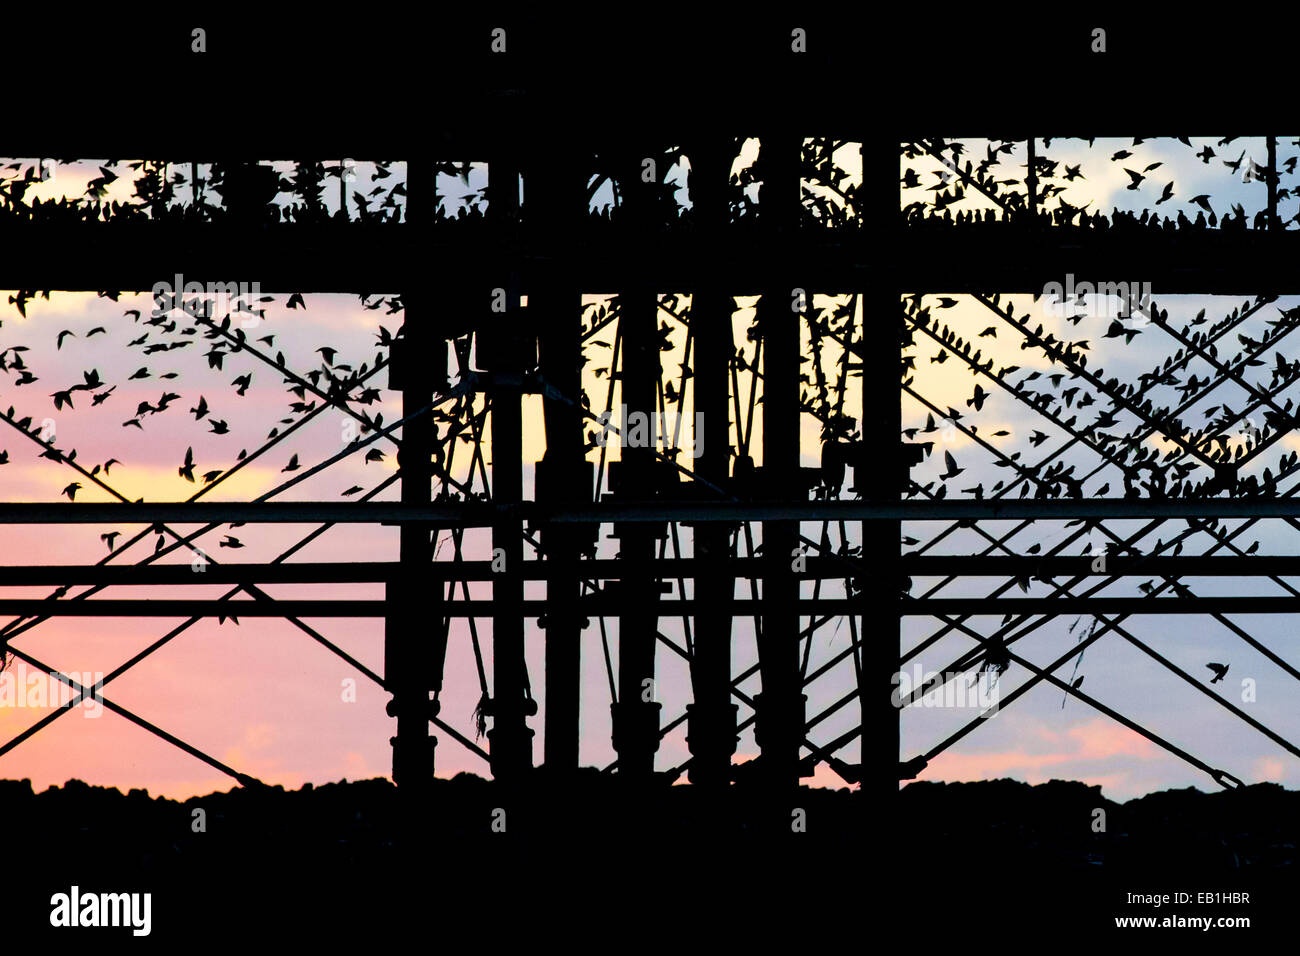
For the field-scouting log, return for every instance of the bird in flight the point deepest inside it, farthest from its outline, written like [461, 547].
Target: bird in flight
[1220, 670]
[951, 465]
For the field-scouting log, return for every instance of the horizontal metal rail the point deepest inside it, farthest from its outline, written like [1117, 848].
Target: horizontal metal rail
[483, 514]
[1287, 604]
[341, 259]
[1009, 566]
[667, 569]
[608, 604]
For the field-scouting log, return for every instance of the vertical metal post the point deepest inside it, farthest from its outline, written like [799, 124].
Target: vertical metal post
[414, 639]
[510, 738]
[554, 206]
[636, 713]
[1272, 183]
[1031, 179]
[880, 474]
[779, 728]
[711, 720]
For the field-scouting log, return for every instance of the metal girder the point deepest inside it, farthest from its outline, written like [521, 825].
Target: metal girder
[1099, 605]
[351, 258]
[482, 514]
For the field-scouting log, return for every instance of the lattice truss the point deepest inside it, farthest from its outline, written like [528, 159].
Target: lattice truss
[1141, 395]
[1009, 395]
[345, 384]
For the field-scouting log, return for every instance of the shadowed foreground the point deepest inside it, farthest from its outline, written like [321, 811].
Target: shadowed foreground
[348, 858]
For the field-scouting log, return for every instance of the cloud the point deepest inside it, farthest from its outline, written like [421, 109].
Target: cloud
[1074, 753]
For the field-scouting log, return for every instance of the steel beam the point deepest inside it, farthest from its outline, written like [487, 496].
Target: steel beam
[413, 635]
[880, 474]
[711, 727]
[780, 704]
[482, 514]
[554, 203]
[511, 740]
[635, 714]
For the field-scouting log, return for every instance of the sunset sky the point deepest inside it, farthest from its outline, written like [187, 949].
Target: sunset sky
[266, 699]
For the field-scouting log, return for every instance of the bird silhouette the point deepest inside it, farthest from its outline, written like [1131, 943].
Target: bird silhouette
[1219, 670]
[950, 463]
[186, 470]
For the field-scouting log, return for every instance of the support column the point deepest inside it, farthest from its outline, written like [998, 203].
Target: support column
[880, 475]
[510, 739]
[636, 714]
[414, 636]
[711, 717]
[554, 208]
[779, 728]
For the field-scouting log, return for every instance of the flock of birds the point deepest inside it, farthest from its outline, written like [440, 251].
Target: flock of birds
[239, 185]
[162, 333]
[1072, 385]
[1010, 195]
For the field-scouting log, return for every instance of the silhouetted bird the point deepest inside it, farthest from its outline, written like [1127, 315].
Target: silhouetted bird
[951, 465]
[1220, 670]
